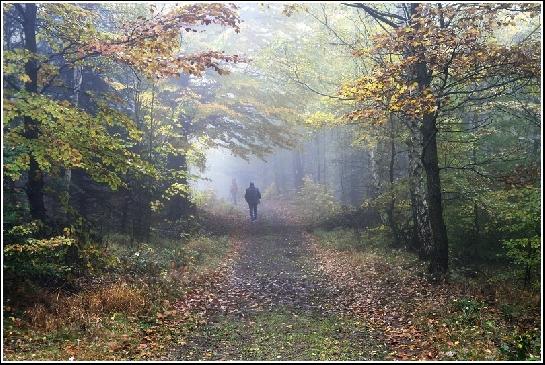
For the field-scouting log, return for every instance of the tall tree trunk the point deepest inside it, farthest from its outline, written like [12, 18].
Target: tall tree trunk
[298, 169]
[476, 220]
[390, 211]
[35, 182]
[373, 187]
[276, 170]
[439, 254]
[422, 237]
[324, 155]
[139, 201]
[78, 79]
[356, 194]
[145, 213]
[318, 159]
[430, 161]
[342, 167]
[428, 129]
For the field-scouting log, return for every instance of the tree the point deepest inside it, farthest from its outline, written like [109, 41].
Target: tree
[70, 40]
[439, 58]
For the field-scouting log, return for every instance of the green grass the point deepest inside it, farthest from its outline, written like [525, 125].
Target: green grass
[282, 335]
[342, 239]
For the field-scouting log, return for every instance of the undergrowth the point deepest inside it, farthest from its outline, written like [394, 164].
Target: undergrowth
[125, 312]
[484, 317]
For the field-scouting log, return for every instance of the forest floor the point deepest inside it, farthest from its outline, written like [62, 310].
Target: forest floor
[275, 305]
[277, 290]
[289, 295]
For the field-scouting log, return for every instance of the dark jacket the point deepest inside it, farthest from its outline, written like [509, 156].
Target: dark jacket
[252, 195]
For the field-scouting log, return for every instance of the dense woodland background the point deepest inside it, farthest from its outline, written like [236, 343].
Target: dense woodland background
[418, 124]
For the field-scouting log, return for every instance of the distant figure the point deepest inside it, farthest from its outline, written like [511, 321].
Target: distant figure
[234, 191]
[252, 197]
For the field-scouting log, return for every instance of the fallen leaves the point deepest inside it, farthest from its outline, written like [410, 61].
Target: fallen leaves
[417, 320]
[385, 298]
[265, 270]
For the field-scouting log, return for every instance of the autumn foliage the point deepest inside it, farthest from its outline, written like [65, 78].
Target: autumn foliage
[152, 45]
[454, 42]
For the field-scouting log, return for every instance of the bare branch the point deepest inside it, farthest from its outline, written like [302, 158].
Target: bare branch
[383, 17]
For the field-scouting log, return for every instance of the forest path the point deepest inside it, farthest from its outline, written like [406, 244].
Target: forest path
[276, 306]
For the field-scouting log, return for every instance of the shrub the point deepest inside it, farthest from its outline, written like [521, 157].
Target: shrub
[209, 202]
[41, 260]
[271, 192]
[314, 203]
[517, 217]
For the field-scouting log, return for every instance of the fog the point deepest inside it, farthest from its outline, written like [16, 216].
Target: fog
[222, 167]
[396, 148]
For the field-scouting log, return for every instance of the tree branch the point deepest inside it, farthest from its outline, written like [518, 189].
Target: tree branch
[376, 14]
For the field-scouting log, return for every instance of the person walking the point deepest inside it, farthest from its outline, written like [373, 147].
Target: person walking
[234, 191]
[252, 197]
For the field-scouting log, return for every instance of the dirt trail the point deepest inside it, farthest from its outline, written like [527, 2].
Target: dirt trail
[275, 306]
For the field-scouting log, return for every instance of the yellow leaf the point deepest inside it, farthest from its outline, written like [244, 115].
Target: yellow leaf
[24, 78]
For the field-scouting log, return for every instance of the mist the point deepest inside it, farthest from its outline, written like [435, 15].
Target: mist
[302, 181]
[222, 167]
